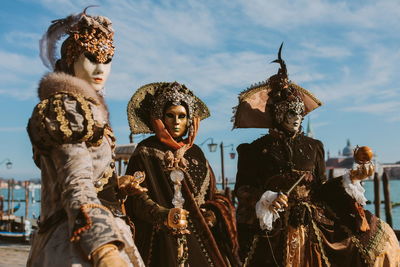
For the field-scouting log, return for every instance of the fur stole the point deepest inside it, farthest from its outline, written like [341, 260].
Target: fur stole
[60, 82]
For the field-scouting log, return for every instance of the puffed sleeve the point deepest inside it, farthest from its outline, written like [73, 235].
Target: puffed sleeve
[64, 119]
[62, 128]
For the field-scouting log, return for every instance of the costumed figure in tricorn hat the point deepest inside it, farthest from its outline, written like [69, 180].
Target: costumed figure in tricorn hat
[288, 214]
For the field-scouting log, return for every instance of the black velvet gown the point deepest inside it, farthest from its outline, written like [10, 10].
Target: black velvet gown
[321, 226]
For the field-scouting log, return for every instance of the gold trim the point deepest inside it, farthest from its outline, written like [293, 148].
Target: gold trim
[41, 106]
[252, 90]
[84, 209]
[377, 243]
[104, 178]
[150, 151]
[252, 251]
[306, 92]
[193, 229]
[318, 234]
[373, 248]
[199, 195]
[60, 117]
[88, 116]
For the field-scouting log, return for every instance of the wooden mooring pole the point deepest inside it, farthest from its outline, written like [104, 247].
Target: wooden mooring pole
[9, 197]
[377, 196]
[330, 175]
[26, 199]
[388, 203]
[12, 195]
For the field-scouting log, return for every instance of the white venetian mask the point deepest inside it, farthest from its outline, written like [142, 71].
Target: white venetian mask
[96, 74]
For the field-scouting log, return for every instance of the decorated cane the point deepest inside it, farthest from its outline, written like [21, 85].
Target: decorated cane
[176, 177]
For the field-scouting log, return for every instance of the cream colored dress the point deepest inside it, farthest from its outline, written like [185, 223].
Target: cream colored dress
[73, 147]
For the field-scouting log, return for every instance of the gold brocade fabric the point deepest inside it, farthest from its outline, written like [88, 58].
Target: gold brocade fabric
[295, 245]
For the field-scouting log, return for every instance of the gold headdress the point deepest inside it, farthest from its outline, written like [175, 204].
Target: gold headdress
[266, 103]
[149, 101]
[92, 34]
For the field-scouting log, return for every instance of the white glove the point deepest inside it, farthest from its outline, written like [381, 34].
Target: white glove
[267, 208]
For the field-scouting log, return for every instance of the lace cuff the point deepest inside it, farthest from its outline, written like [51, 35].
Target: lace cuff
[354, 189]
[264, 213]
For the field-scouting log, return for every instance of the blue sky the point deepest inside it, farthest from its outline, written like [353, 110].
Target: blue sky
[345, 52]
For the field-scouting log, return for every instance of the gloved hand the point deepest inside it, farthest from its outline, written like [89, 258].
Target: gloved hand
[130, 184]
[362, 172]
[108, 256]
[280, 202]
[177, 221]
[209, 217]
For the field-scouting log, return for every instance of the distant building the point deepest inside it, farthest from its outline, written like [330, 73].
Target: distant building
[392, 170]
[122, 156]
[344, 161]
[338, 165]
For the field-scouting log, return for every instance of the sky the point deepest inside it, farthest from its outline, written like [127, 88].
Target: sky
[345, 52]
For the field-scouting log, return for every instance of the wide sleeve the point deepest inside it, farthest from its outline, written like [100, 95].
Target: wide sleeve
[320, 163]
[246, 190]
[62, 128]
[141, 205]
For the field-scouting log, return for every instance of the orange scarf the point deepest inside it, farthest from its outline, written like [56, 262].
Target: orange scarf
[165, 137]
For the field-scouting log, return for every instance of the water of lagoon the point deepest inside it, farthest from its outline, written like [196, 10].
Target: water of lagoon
[34, 207]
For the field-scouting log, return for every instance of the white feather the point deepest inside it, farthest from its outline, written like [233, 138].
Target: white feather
[48, 43]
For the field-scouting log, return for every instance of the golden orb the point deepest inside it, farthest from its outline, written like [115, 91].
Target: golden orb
[363, 154]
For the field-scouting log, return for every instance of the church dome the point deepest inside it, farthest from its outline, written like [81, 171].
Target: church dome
[348, 149]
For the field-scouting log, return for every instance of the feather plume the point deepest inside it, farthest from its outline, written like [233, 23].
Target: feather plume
[281, 62]
[48, 43]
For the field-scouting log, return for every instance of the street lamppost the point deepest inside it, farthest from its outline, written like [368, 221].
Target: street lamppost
[212, 148]
[8, 163]
[232, 155]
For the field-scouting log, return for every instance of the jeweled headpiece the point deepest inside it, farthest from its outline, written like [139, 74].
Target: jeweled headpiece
[264, 104]
[149, 102]
[92, 34]
[175, 94]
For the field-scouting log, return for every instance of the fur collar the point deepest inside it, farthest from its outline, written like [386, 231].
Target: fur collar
[59, 82]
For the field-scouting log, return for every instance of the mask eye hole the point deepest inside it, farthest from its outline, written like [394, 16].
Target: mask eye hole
[291, 113]
[108, 60]
[91, 58]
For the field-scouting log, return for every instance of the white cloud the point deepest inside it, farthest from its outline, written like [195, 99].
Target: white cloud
[289, 15]
[196, 43]
[326, 51]
[208, 76]
[19, 75]
[20, 64]
[376, 108]
[23, 39]
[12, 129]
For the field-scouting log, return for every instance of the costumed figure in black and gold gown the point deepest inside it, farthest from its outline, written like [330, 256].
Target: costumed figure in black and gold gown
[173, 113]
[288, 214]
[81, 221]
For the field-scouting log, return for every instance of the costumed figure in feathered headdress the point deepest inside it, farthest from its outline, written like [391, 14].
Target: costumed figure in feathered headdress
[81, 222]
[288, 214]
[179, 179]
